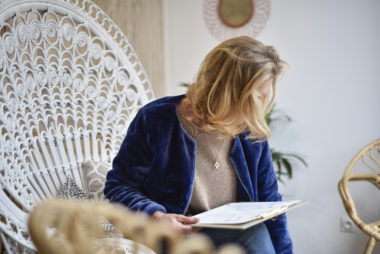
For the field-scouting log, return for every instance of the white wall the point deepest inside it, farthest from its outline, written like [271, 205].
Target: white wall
[331, 92]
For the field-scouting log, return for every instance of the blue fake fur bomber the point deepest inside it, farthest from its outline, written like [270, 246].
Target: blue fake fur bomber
[154, 168]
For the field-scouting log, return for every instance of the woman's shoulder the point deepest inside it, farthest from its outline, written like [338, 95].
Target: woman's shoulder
[167, 101]
[258, 143]
[161, 110]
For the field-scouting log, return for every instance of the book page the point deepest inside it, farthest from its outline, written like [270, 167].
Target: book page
[241, 212]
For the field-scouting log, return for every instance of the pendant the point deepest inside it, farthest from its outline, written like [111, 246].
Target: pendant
[216, 164]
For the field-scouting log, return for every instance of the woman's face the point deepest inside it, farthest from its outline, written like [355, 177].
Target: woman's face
[264, 88]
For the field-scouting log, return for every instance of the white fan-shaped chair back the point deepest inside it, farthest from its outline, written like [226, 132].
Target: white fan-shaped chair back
[70, 84]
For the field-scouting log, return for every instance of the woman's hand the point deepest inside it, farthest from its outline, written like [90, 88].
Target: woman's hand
[179, 222]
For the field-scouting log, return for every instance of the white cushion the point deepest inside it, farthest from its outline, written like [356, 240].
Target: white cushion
[95, 177]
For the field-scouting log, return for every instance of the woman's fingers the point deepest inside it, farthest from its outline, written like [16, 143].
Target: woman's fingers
[178, 221]
[185, 229]
[186, 219]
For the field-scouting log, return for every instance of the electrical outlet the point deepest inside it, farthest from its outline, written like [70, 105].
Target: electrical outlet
[347, 225]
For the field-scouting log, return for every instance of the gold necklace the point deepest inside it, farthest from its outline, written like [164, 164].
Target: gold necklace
[216, 156]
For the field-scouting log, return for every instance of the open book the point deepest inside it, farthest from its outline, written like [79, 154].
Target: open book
[242, 215]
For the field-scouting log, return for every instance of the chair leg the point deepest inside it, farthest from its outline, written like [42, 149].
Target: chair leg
[370, 245]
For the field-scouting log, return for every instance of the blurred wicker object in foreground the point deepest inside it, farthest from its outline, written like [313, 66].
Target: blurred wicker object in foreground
[58, 226]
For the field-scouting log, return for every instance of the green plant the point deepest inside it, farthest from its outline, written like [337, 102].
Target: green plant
[283, 161]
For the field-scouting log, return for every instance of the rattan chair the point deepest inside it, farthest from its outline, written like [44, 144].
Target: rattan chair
[70, 85]
[370, 158]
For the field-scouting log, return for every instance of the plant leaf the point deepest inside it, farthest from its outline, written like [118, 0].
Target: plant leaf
[276, 156]
[288, 167]
[279, 169]
[185, 84]
[296, 156]
[268, 116]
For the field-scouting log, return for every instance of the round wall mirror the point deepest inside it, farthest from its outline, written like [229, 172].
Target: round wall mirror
[235, 13]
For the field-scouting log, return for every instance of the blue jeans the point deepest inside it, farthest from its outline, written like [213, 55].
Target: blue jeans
[255, 239]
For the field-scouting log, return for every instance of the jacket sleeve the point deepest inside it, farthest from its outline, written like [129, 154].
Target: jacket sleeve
[268, 191]
[125, 181]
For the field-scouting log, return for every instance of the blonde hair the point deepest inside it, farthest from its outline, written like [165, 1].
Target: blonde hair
[224, 95]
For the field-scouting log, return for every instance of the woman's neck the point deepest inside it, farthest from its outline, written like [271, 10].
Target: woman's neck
[186, 110]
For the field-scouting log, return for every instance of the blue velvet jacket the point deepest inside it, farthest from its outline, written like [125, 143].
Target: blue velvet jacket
[154, 168]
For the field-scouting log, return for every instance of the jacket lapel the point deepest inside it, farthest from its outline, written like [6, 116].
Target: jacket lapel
[245, 189]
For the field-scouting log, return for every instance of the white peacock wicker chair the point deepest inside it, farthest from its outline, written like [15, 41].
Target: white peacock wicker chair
[70, 85]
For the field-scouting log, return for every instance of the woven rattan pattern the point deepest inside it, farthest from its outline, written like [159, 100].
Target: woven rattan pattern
[70, 85]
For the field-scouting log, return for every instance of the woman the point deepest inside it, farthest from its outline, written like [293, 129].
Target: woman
[187, 154]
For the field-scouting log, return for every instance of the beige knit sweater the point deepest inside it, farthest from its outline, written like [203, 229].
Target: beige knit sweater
[212, 186]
